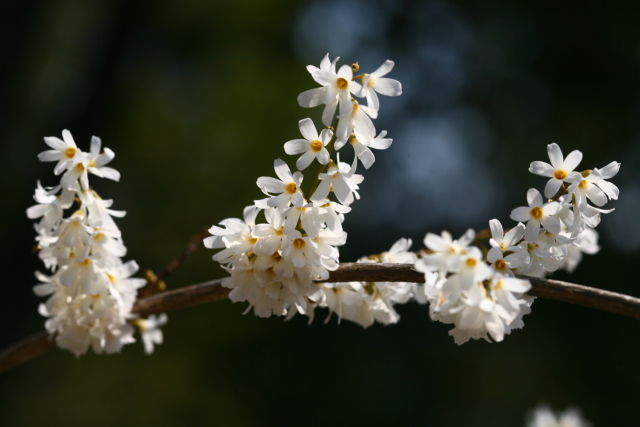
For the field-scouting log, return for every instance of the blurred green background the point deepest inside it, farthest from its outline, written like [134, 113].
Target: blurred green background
[198, 97]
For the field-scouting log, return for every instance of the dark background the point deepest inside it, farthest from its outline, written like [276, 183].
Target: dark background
[198, 97]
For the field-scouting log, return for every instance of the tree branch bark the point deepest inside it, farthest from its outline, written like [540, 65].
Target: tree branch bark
[190, 296]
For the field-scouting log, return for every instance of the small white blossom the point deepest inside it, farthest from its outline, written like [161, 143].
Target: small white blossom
[583, 188]
[375, 82]
[356, 120]
[98, 159]
[313, 146]
[300, 250]
[363, 148]
[608, 172]
[314, 97]
[544, 417]
[287, 187]
[339, 87]
[64, 152]
[537, 214]
[342, 179]
[559, 170]
[150, 330]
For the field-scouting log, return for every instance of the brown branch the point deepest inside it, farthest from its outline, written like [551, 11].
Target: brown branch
[190, 296]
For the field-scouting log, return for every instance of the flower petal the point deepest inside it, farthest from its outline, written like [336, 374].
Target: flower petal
[555, 155]
[572, 161]
[308, 129]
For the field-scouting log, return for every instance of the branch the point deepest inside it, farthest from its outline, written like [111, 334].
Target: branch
[190, 296]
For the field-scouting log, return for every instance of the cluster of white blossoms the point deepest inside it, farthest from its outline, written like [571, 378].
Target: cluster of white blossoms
[544, 417]
[475, 287]
[274, 265]
[91, 291]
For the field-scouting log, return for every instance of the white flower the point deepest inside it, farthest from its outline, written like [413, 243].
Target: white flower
[269, 235]
[327, 240]
[374, 82]
[49, 207]
[333, 214]
[585, 187]
[287, 187]
[363, 149]
[537, 214]
[150, 330]
[502, 264]
[471, 268]
[339, 87]
[314, 97]
[544, 417]
[400, 253]
[300, 250]
[77, 171]
[445, 251]
[64, 152]
[309, 215]
[98, 213]
[341, 298]
[236, 238]
[313, 146]
[559, 169]
[506, 242]
[541, 255]
[342, 179]
[98, 160]
[608, 172]
[356, 120]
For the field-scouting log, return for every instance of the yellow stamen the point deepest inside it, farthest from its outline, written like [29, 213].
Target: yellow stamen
[342, 83]
[316, 146]
[560, 174]
[536, 213]
[471, 262]
[85, 262]
[291, 188]
[92, 164]
[583, 184]
[500, 265]
[80, 167]
[253, 240]
[299, 243]
[70, 152]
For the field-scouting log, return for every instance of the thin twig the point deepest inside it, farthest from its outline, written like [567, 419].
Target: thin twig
[192, 246]
[190, 296]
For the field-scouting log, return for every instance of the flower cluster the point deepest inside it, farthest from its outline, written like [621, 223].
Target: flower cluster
[91, 291]
[477, 291]
[274, 265]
